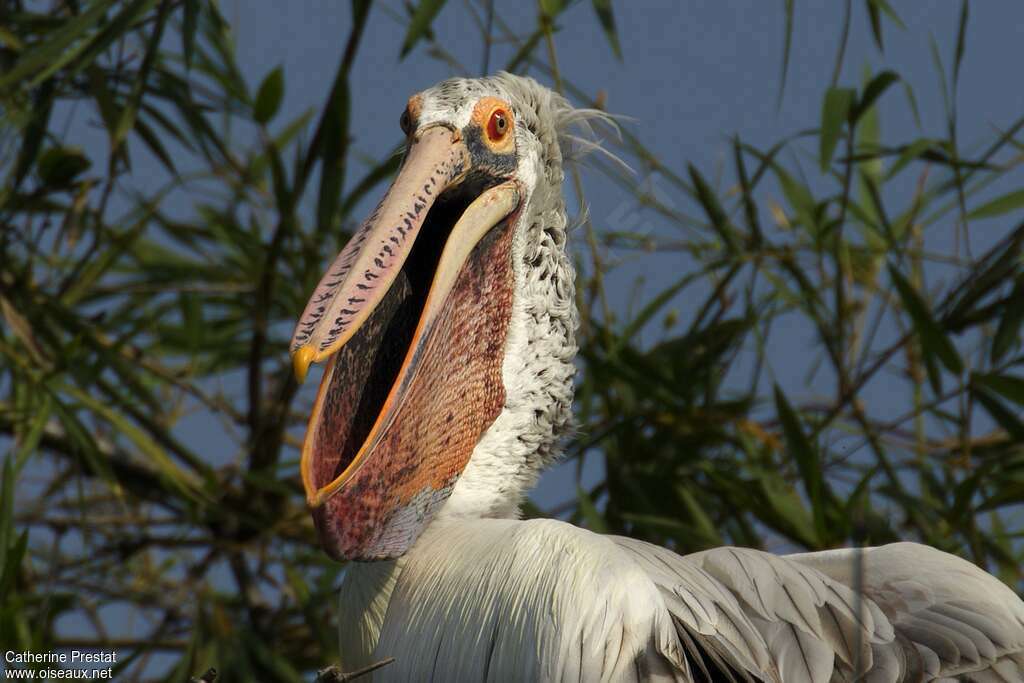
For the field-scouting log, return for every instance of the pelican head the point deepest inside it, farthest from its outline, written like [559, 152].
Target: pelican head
[446, 324]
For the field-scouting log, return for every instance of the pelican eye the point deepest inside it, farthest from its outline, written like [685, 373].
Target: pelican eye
[498, 125]
[405, 122]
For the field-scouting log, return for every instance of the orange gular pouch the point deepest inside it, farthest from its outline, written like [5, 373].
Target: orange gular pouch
[402, 404]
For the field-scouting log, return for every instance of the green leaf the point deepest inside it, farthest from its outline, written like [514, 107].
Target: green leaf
[872, 91]
[961, 39]
[835, 110]
[787, 44]
[1011, 201]
[331, 139]
[188, 31]
[525, 51]
[653, 306]
[875, 9]
[6, 508]
[11, 564]
[127, 119]
[603, 8]
[698, 517]
[59, 166]
[591, 516]
[800, 198]
[912, 103]
[749, 205]
[1007, 386]
[28, 441]
[10, 40]
[888, 11]
[182, 481]
[269, 96]
[1000, 413]
[713, 208]
[552, 8]
[933, 339]
[152, 141]
[806, 459]
[908, 153]
[46, 54]
[874, 15]
[335, 124]
[1008, 332]
[85, 53]
[783, 502]
[33, 133]
[420, 23]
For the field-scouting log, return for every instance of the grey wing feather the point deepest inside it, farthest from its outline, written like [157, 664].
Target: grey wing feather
[796, 623]
[923, 614]
[952, 619]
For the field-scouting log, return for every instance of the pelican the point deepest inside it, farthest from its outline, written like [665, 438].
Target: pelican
[447, 329]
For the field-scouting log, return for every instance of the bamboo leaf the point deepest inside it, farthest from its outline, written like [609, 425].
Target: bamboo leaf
[552, 8]
[47, 54]
[961, 40]
[784, 502]
[800, 198]
[422, 18]
[331, 140]
[874, 16]
[652, 308]
[908, 91]
[603, 9]
[933, 339]
[1008, 332]
[6, 509]
[33, 135]
[29, 439]
[835, 111]
[150, 138]
[749, 205]
[188, 31]
[806, 457]
[887, 9]
[591, 516]
[180, 480]
[914, 150]
[715, 213]
[59, 166]
[1008, 386]
[127, 119]
[876, 8]
[872, 91]
[269, 97]
[1000, 413]
[1011, 201]
[787, 44]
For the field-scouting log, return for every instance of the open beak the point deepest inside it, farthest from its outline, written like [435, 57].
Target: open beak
[411, 318]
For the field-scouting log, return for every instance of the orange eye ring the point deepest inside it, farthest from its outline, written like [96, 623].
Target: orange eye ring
[499, 123]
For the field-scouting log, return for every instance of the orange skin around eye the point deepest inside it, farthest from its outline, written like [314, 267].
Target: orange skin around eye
[484, 116]
[411, 114]
[414, 107]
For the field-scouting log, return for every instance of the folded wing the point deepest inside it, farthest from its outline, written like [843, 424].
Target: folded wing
[543, 600]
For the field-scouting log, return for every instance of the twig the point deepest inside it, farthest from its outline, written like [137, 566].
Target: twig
[334, 675]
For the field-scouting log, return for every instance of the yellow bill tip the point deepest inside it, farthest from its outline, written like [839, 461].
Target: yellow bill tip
[301, 360]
